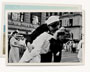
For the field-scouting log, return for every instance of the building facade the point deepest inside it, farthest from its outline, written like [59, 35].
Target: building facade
[23, 21]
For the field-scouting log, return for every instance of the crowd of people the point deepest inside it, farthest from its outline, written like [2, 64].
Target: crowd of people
[44, 44]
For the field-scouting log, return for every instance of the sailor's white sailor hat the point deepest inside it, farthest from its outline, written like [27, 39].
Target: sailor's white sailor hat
[52, 19]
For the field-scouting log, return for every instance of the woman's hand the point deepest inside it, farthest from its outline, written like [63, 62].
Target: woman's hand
[30, 47]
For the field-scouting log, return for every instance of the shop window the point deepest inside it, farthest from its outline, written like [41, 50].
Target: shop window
[70, 22]
[16, 16]
[60, 23]
[65, 13]
[60, 14]
[71, 12]
[10, 16]
[36, 18]
[50, 13]
[55, 13]
[22, 16]
[47, 14]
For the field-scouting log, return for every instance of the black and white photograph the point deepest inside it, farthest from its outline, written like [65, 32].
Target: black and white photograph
[45, 37]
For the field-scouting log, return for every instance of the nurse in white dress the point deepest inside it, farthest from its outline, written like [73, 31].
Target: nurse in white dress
[14, 51]
[34, 55]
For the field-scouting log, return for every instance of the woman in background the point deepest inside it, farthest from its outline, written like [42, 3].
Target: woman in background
[14, 48]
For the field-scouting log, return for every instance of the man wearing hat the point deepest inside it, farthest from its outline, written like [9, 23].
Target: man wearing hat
[53, 25]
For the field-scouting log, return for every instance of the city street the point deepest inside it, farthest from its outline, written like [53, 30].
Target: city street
[69, 57]
[27, 26]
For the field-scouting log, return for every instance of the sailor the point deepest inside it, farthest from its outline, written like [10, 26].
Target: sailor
[53, 25]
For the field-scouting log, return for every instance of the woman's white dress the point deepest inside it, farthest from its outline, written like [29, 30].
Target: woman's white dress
[34, 55]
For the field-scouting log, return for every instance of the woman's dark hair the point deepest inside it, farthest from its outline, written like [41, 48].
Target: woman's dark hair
[54, 24]
[14, 33]
[60, 33]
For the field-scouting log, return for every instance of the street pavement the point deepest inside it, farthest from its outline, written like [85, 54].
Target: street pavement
[69, 57]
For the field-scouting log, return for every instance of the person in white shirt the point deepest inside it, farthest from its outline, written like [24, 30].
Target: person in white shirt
[80, 51]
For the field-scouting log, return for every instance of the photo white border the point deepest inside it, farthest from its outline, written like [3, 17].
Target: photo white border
[2, 32]
[78, 6]
[46, 64]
